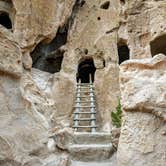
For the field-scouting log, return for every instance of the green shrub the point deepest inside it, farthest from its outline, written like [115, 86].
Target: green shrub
[117, 115]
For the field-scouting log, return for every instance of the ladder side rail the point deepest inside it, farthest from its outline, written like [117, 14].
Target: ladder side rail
[92, 109]
[76, 116]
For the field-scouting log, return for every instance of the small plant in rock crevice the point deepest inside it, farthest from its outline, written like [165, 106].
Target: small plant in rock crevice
[117, 115]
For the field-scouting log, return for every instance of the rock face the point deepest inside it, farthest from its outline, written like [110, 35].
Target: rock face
[143, 139]
[11, 55]
[39, 20]
[42, 44]
[27, 110]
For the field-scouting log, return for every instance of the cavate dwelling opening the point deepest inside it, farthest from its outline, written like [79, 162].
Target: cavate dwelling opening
[45, 60]
[86, 70]
[123, 52]
[158, 45]
[105, 5]
[5, 20]
[49, 57]
[122, 2]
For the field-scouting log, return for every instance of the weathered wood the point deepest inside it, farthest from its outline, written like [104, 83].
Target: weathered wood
[85, 105]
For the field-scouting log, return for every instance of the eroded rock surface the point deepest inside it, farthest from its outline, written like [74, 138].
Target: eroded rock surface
[10, 54]
[143, 140]
[35, 104]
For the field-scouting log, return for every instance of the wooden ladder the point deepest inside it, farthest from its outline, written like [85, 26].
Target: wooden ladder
[85, 109]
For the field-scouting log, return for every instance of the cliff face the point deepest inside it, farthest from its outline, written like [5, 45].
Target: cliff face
[143, 99]
[43, 42]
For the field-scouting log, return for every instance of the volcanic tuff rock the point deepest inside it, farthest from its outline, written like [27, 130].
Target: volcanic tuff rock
[35, 104]
[143, 91]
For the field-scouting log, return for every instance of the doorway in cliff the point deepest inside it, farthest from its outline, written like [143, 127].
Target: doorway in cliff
[86, 70]
[158, 45]
[123, 52]
[5, 20]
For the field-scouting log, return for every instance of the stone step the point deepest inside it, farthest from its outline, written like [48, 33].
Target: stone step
[91, 138]
[90, 152]
[92, 163]
[109, 162]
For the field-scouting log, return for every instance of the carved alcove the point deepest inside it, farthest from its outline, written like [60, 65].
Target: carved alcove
[49, 56]
[7, 14]
[158, 45]
[123, 51]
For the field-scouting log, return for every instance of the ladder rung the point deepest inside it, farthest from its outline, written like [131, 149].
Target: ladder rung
[84, 126]
[84, 83]
[84, 96]
[84, 119]
[84, 106]
[85, 101]
[85, 92]
[85, 87]
[85, 112]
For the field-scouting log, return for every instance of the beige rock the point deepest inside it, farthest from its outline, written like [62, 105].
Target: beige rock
[143, 98]
[10, 54]
[33, 102]
[141, 22]
[39, 20]
[142, 84]
[27, 61]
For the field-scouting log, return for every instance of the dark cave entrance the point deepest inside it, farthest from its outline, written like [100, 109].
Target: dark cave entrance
[123, 52]
[158, 45]
[105, 5]
[5, 20]
[86, 70]
[49, 57]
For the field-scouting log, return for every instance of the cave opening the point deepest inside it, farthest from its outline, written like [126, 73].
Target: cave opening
[105, 5]
[123, 52]
[122, 2]
[158, 45]
[86, 70]
[5, 20]
[47, 61]
[54, 64]
[49, 57]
